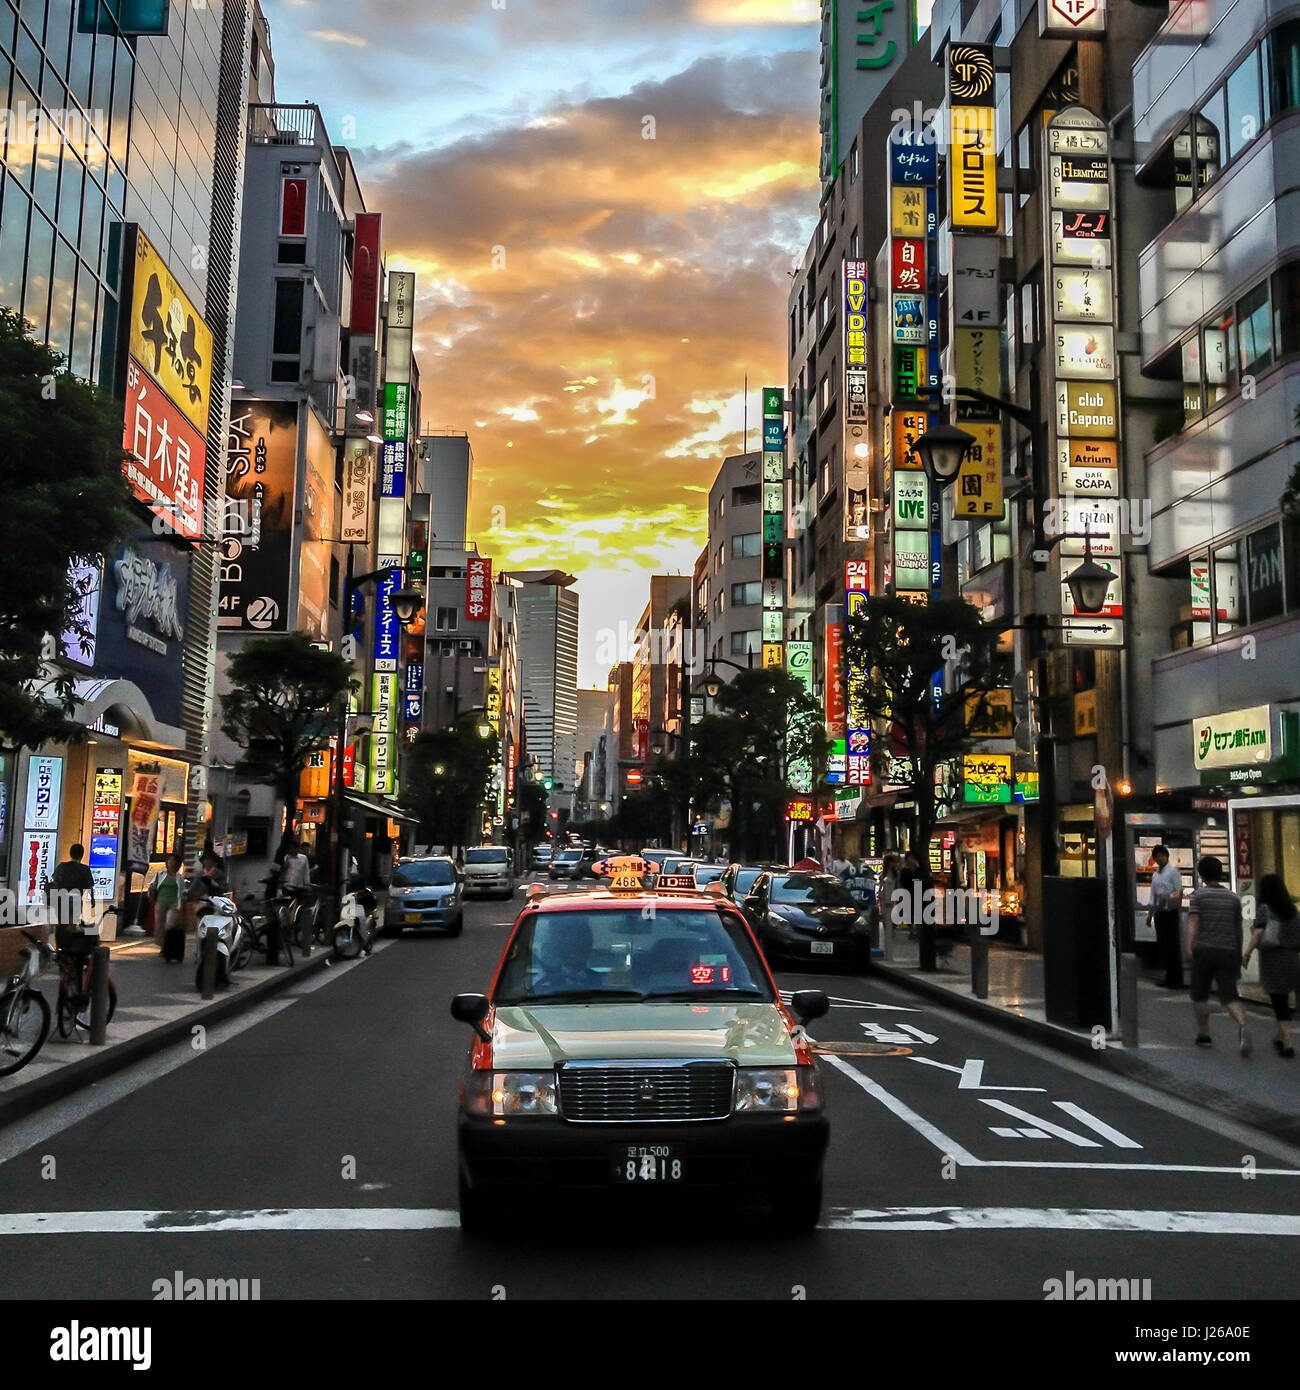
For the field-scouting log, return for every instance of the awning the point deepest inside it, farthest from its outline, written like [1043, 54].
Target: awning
[381, 808]
[974, 815]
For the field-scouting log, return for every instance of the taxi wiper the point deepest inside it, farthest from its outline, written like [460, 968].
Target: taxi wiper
[581, 995]
[712, 996]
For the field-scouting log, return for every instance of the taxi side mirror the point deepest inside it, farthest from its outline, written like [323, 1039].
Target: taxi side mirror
[808, 1004]
[473, 1009]
[753, 901]
[715, 889]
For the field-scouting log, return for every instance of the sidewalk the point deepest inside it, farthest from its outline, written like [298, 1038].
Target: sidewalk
[157, 1005]
[1262, 1090]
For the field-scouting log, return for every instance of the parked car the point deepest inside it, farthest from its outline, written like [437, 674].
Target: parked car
[708, 873]
[426, 893]
[738, 879]
[808, 917]
[541, 856]
[489, 869]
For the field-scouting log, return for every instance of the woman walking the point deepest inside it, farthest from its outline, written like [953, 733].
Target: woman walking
[168, 892]
[1277, 939]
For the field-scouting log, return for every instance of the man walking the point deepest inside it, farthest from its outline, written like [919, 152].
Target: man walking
[1214, 943]
[1164, 911]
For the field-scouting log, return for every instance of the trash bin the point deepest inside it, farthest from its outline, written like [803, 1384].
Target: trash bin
[1076, 982]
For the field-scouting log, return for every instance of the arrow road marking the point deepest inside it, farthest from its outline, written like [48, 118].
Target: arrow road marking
[972, 1074]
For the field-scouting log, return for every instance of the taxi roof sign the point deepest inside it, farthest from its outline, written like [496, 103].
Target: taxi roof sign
[626, 872]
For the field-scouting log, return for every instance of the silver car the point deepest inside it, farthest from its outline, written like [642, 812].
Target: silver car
[489, 870]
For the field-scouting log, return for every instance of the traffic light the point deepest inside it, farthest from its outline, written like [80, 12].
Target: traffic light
[555, 815]
[548, 784]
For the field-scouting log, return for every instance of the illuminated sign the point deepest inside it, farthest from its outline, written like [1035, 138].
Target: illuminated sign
[973, 162]
[1235, 739]
[977, 491]
[387, 627]
[986, 778]
[1071, 19]
[478, 584]
[1084, 295]
[1085, 353]
[1087, 411]
[911, 501]
[800, 810]
[357, 484]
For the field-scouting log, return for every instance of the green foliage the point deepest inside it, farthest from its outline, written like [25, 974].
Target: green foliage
[63, 500]
[530, 800]
[893, 648]
[285, 700]
[448, 779]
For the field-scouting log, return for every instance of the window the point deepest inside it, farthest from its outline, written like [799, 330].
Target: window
[1282, 60]
[1254, 331]
[1286, 310]
[743, 643]
[722, 506]
[746, 547]
[1245, 115]
[853, 163]
[286, 340]
[825, 394]
[749, 496]
[824, 311]
[446, 620]
[746, 595]
[1210, 142]
[718, 604]
[1193, 400]
[719, 558]
[1219, 356]
[1265, 590]
[292, 253]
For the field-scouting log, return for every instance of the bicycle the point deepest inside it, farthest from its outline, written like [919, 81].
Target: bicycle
[274, 909]
[76, 985]
[24, 1010]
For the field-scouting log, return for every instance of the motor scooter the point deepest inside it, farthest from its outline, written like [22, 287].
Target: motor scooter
[357, 926]
[221, 917]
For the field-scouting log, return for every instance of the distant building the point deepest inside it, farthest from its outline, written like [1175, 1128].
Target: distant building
[548, 675]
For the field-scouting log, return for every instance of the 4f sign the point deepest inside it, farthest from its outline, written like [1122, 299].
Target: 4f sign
[1069, 19]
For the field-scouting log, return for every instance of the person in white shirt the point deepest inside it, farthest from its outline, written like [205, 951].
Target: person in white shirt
[1164, 912]
[296, 872]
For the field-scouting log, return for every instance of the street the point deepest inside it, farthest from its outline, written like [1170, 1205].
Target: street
[309, 1145]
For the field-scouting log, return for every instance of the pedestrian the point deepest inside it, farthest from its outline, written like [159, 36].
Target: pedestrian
[75, 889]
[841, 868]
[1164, 912]
[295, 873]
[167, 892]
[1214, 945]
[1277, 939]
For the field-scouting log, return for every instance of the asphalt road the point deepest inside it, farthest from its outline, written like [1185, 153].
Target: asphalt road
[310, 1145]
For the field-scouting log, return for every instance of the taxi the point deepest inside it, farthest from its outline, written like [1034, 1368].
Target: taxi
[633, 1041]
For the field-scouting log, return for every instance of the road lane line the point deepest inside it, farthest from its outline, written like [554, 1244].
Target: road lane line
[63, 1223]
[923, 1127]
[1219, 1223]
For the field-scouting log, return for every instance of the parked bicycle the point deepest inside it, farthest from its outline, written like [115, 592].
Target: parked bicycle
[24, 1012]
[76, 986]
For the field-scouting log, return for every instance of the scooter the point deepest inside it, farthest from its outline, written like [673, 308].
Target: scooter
[356, 928]
[220, 916]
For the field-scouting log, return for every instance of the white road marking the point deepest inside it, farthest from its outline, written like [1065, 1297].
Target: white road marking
[838, 1003]
[1219, 1223]
[972, 1075]
[180, 1223]
[1121, 1141]
[1080, 1141]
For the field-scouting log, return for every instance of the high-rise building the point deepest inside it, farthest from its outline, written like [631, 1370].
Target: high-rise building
[446, 473]
[734, 628]
[548, 674]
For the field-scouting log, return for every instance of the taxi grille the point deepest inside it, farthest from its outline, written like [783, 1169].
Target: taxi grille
[646, 1091]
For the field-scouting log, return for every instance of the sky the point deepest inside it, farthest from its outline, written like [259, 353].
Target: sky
[602, 201]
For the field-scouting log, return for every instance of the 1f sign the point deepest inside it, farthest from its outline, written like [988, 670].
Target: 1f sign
[1071, 19]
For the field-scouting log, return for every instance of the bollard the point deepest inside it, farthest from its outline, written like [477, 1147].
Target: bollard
[926, 946]
[99, 996]
[1128, 1000]
[208, 965]
[979, 961]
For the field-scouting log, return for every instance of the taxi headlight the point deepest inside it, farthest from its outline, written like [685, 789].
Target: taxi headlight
[511, 1093]
[777, 1090]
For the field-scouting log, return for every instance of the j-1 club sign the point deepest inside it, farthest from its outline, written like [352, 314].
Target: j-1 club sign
[1081, 354]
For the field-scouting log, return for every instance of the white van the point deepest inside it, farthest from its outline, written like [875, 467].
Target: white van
[489, 869]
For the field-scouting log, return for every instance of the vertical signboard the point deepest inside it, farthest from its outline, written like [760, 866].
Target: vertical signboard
[478, 582]
[366, 267]
[973, 157]
[857, 448]
[1081, 359]
[858, 727]
[774, 522]
[105, 832]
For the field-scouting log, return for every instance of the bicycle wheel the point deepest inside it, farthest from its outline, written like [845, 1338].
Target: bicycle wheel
[320, 927]
[67, 1014]
[81, 1012]
[24, 1031]
[286, 941]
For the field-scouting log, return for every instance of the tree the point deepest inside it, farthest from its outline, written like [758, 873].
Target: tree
[530, 799]
[893, 648]
[764, 723]
[449, 777]
[64, 502]
[285, 701]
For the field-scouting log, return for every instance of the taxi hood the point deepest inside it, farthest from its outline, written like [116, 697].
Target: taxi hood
[749, 1033]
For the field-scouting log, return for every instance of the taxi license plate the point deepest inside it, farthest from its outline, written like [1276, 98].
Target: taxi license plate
[648, 1163]
[413, 916]
[823, 948]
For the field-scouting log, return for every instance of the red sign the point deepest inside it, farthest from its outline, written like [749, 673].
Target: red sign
[478, 585]
[511, 756]
[365, 275]
[855, 577]
[633, 778]
[293, 207]
[909, 264]
[837, 695]
[169, 455]
[1245, 853]
[800, 811]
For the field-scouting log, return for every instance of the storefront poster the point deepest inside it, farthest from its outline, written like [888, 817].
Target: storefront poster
[168, 455]
[39, 856]
[146, 790]
[319, 526]
[44, 792]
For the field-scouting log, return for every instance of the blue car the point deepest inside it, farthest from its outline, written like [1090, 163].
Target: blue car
[426, 893]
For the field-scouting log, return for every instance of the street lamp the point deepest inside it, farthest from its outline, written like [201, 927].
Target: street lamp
[406, 603]
[1089, 584]
[941, 450]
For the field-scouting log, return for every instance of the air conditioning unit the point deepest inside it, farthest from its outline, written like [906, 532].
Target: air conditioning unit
[449, 649]
[467, 646]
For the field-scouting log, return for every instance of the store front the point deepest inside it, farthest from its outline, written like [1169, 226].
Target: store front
[980, 850]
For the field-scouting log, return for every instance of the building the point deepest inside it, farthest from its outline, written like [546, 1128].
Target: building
[589, 740]
[652, 659]
[624, 760]
[112, 185]
[447, 475]
[734, 625]
[1216, 687]
[547, 608]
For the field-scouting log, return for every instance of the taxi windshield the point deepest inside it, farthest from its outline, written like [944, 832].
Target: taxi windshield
[616, 954]
[811, 890]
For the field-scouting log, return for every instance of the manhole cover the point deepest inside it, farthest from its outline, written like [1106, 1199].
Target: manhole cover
[861, 1049]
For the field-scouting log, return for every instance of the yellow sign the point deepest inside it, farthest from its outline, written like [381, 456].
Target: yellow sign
[494, 698]
[1085, 713]
[773, 654]
[989, 714]
[978, 489]
[168, 336]
[626, 872]
[986, 777]
[907, 427]
[973, 168]
[1086, 410]
[977, 359]
[314, 780]
[907, 212]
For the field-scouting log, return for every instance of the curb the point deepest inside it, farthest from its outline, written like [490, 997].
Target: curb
[88, 1071]
[1277, 1123]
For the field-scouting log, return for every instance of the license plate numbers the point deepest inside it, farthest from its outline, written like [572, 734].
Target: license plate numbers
[823, 948]
[648, 1163]
[412, 916]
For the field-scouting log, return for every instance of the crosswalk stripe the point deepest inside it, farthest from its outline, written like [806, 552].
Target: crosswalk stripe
[60, 1223]
[1225, 1223]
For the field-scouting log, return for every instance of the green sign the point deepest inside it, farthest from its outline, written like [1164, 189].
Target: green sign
[773, 401]
[1232, 737]
[397, 405]
[133, 16]
[987, 795]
